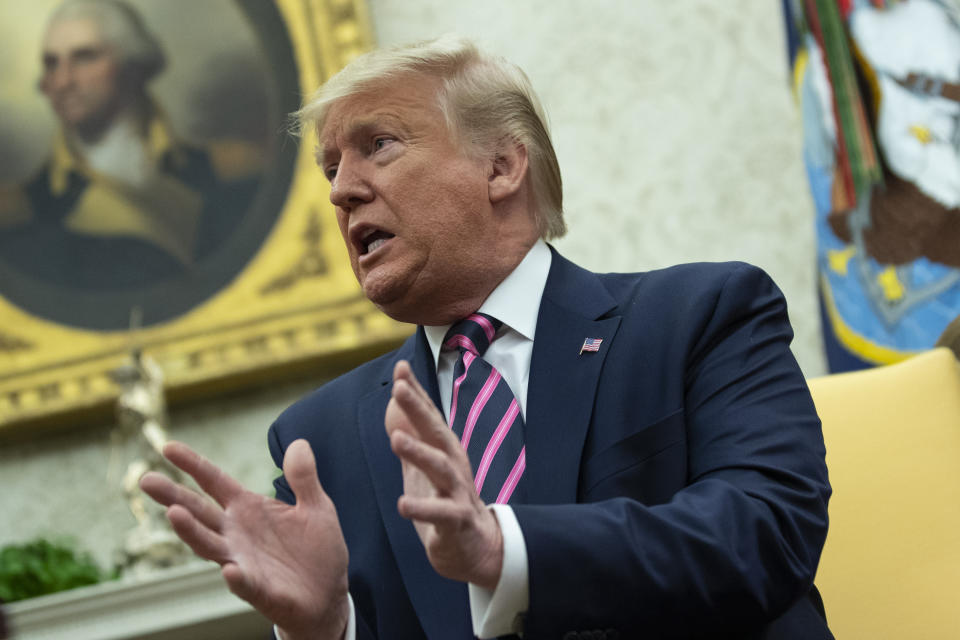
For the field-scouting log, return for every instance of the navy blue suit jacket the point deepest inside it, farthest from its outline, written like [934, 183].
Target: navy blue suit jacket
[676, 484]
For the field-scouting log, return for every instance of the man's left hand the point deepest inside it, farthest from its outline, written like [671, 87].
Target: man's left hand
[460, 534]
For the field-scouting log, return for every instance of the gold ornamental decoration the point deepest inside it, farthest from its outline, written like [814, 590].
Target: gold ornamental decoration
[214, 229]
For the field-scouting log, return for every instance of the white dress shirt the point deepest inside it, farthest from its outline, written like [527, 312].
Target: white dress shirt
[516, 303]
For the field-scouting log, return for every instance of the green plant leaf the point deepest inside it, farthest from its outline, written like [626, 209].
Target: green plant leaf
[41, 566]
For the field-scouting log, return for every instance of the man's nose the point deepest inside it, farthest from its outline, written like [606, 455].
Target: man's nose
[351, 186]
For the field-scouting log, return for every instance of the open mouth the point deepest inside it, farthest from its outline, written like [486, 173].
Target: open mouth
[373, 241]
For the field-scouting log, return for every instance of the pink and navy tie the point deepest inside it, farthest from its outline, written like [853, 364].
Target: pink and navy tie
[484, 413]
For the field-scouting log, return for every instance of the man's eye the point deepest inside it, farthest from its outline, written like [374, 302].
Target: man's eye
[87, 55]
[330, 172]
[380, 143]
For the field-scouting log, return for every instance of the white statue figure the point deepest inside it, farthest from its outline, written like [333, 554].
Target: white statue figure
[141, 414]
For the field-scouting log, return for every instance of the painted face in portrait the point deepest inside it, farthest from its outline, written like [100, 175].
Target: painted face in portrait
[81, 75]
[423, 234]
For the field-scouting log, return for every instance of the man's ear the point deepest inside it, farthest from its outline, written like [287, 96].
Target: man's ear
[507, 172]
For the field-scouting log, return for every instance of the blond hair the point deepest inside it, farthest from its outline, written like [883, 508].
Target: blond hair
[485, 99]
[122, 27]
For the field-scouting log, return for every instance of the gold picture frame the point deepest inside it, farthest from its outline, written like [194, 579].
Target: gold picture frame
[288, 305]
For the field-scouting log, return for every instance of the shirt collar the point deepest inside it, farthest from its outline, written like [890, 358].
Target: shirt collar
[515, 301]
[159, 139]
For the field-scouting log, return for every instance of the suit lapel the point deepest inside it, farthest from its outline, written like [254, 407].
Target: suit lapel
[441, 604]
[563, 381]
[561, 393]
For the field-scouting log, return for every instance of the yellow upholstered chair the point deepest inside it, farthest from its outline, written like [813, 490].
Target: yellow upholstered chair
[891, 564]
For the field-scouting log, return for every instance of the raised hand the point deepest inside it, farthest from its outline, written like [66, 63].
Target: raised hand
[461, 536]
[289, 562]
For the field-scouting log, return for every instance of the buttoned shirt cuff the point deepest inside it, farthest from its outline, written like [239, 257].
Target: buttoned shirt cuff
[500, 612]
[349, 634]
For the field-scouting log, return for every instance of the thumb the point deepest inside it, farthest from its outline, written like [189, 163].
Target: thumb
[300, 470]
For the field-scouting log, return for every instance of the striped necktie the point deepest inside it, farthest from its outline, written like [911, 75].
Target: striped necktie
[485, 414]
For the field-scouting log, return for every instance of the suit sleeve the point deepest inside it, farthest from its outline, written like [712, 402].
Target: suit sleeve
[285, 494]
[738, 542]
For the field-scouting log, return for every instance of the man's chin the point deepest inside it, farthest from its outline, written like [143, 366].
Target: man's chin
[385, 297]
[72, 113]
[399, 306]
[401, 294]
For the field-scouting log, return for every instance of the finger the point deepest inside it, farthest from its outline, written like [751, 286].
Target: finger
[167, 492]
[433, 462]
[159, 487]
[403, 371]
[440, 512]
[238, 583]
[300, 470]
[209, 476]
[205, 543]
[422, 414]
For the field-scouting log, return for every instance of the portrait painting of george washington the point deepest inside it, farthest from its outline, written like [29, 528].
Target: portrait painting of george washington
[143, 154]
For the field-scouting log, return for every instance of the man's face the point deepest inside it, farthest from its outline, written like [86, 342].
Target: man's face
[80, 74]
[413, 209]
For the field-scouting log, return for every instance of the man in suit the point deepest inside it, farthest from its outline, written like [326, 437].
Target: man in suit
[659, 468]
[122, 201]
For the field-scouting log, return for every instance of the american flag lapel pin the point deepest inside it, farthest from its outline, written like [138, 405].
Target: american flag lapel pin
[591, 344]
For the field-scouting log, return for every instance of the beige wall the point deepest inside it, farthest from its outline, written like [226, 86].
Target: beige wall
[678, 141]
[674, 125]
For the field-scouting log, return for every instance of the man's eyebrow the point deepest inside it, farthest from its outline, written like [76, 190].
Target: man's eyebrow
[320, 154]
[356, 130]
[324, 152]
[83, 50]
[363, 127]
[88, 49]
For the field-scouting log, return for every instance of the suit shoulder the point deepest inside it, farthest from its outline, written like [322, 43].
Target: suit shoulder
[235, 159]
[683, 282]
[691, 302]
[339, 397]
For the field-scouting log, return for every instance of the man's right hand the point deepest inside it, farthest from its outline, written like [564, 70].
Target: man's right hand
[288, 561]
